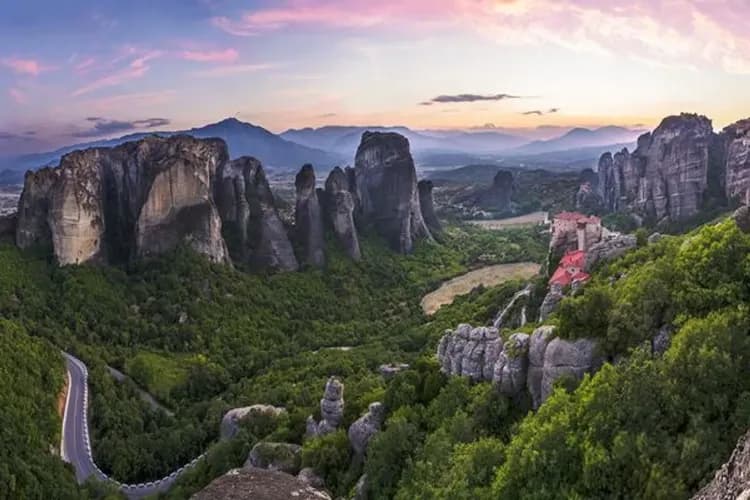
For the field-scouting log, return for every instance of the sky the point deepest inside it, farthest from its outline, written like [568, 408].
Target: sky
[76, 70]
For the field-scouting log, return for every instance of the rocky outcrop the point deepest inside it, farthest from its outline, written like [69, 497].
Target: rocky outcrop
[427, 204]
[736, 160]
[250, 483]
[387, 189]
[308, 219]
[610, 247]
[284, 457]
[256, 234]
[662, 340]
[742, 218]
[33, 208]
[550, 302]
[365, 427]
[340, 206]
[331, 410]
[308, 476]
[587, 199]
[666, 176]
[138, 199]
[570, 359]
[532, 363]
[390, 370]
[230, 423]
[732, 480]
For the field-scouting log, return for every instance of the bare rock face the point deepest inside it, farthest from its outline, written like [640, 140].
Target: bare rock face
[538, 343]
[331, 410]
[736, 139]
[230, 422]
[470, 352]
[137, 199]
[308, 218]
[284, 457]
[609, 248]
[742, 218]
[564, 358]
[340, 207]
[387, 189]
[33, 208]
[252, 226]
[427, 205]
[550, 302]
[251, 483]
[666, 176]
[511, 368]
[365, 427]
[732, 480]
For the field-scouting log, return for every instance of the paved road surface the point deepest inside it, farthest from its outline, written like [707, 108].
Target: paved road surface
[76, 446]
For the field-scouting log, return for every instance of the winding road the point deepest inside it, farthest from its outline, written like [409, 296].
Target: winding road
[75, 445]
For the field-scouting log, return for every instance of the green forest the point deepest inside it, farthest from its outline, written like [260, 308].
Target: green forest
[204, 338]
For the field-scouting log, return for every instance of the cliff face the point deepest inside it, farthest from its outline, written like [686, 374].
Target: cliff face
[427, 204]
[252, 225]
[732, 480]
[308, 218]
[736, 152]
[138, 199]
[387, 187]
[666, 176]
[339, 208]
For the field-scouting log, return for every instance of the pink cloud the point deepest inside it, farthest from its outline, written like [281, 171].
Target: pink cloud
[218, 56]
[18, 95]
[25, 66]
[85, 65]
[657, 32]
[137, 68]
[233, 69]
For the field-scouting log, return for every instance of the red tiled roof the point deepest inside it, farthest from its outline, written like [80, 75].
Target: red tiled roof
[573, 258]
[578, 217]
[570, 269]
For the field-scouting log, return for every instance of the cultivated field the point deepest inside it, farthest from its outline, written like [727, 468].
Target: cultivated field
[531, 219]
[487, 276]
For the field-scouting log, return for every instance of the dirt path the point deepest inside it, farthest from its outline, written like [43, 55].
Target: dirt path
[487, 276]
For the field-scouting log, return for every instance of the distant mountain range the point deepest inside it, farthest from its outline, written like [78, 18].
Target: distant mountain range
[328, 146]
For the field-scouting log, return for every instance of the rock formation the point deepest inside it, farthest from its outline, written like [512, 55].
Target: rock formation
[550, 302]
[139, 199]
[331, 410]
[742, 218]
[732, 480]
[497, 198]
[390, 370]
[339, 207]
[253, 483]
[427, 204]
[308, 218]
[308, 476]
[666, 176]
[736, 160]
[252, 226]
[387, 188]
[365, 427]
[524, 362]
[611, 247]
[230, 422]
[284, 457]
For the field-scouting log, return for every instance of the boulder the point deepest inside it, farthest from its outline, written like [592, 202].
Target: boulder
[570, 359]
[340, 206]
[251, 483]
[255, 231]
[365, 427]
[427, 204]
[308, 476]
[391, 369]
[283, 457]
[331, 410]
[308, 218]
[742, 218]
[511, 368]
[387, 189]
[230, 423]
[609, 248]
[654, 238]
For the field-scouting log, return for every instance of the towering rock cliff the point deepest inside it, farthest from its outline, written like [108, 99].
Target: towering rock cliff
[308, 218]
[427, 204]
[666, 176]
[339, 208]
[138, 199]
[498, 196]
[735, 140]
[252, 226]
[387, 187]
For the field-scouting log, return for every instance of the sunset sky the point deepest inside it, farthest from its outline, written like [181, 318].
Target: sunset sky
[76, 70]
